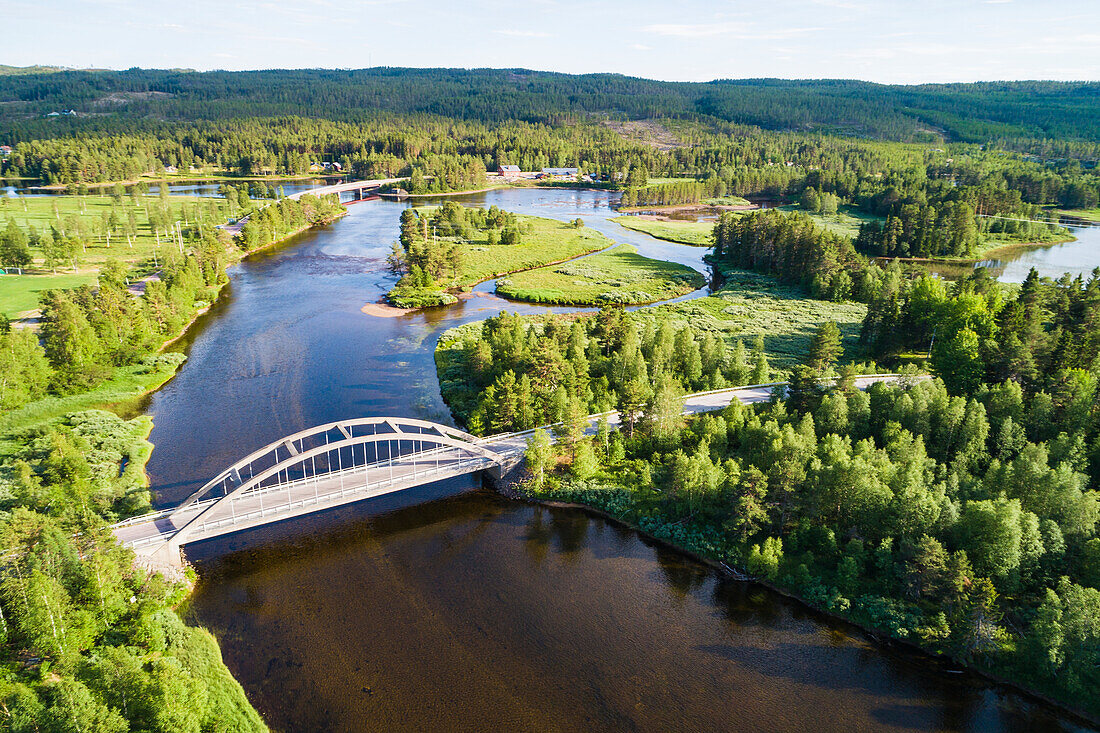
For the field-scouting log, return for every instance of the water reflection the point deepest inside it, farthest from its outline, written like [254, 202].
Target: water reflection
[1054, 260]
[474, 613]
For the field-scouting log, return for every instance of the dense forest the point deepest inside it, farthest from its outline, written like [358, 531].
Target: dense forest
[1064, 111]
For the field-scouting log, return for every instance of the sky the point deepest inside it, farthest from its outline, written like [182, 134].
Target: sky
[890, 41]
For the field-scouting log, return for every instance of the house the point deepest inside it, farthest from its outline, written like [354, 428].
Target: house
[171, 169]
[565, 172]
[5, 150]
[510, 171]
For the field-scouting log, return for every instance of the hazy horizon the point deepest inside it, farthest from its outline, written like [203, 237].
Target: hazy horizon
[868, 40]
[60, 67]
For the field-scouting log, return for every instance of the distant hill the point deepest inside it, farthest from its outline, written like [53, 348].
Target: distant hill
[6, 70]
[969, 112]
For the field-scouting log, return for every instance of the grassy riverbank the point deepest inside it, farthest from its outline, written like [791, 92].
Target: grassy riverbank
[695, 233]
[132, 230]
[1086, 214]
[619, 275]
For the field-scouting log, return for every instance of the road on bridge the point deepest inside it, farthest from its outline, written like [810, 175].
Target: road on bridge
[309, 494]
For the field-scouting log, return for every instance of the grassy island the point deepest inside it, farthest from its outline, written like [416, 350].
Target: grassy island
[695, 233]
[619, 275]
[453, 247]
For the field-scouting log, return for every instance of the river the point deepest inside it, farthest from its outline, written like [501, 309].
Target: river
[449, 608]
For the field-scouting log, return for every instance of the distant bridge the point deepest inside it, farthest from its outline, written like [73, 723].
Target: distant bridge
[359, 190]
[349, 460]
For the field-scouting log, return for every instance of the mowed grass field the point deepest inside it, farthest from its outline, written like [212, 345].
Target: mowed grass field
[83, 216]
[695, 233]
[619, 275]
[1087, 214]
[20, 293]
[751, 305]
[544, 241]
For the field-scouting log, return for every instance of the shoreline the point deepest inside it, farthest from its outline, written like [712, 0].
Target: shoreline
[999, 250]
[448, 193]
[662, 220]
[687, 208]
[874, 636]
[199, 179]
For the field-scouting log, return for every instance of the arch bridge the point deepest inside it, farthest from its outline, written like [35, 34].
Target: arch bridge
[349, 460]
[312, 470]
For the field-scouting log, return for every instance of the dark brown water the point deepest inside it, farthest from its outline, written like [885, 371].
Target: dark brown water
[473, 613]
[443, 608]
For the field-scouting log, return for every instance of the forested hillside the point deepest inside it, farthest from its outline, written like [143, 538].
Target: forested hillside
[973, 112]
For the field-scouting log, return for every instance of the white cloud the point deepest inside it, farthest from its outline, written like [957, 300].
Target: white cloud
[739, 31]
[515, 33]
[701, 30]
[641, 47]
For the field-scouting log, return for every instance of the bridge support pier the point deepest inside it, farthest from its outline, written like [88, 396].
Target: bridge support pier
[165, 558]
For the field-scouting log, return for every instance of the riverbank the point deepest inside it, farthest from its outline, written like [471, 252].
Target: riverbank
[195, 178]
[694, 233]
[517, 491]
[448, 193]
[993, 251]
[688, 210]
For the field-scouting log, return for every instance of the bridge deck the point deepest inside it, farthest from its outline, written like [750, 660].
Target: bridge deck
[255, 507]
[339, 188]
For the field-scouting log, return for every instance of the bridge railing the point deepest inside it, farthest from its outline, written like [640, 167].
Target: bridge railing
[464, 466]
[197, 506]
